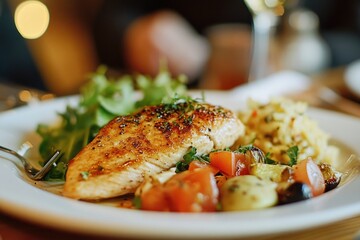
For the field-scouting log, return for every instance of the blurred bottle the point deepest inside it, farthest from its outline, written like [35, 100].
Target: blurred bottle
[303, 49]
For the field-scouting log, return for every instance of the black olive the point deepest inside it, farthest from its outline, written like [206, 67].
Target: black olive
[331, 176]
[332, 183]
[294, 192]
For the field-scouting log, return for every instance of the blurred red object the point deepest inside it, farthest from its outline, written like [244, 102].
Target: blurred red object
[165, 36]
[230, 56]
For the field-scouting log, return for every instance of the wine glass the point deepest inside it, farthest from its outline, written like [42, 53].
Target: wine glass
[265, 17]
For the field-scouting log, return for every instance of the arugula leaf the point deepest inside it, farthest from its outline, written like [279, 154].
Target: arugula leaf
[162, 89]
[293, 153]
[118, 99]
[101, 100]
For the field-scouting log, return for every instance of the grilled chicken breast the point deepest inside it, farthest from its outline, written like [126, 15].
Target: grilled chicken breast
[146, 143]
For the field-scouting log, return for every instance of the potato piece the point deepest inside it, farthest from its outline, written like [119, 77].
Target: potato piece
[247, 192]
[275, 173]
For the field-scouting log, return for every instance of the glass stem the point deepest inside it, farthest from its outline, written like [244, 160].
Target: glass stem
[262, 33]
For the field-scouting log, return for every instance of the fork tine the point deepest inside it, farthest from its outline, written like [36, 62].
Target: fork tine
[48, 165]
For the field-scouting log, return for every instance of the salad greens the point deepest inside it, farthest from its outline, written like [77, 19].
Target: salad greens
[101, 100]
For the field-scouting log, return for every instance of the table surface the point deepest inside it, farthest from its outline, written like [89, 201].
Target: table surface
[12, 228]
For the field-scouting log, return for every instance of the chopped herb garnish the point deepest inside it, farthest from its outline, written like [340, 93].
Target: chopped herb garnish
[85, 175]
[218, 206]
[268, 160]
[183, 103]
[244, 149]
[293, 152]
[188, 120]
[137, 202]
[190, 156]
[256, 152]
[181, 166]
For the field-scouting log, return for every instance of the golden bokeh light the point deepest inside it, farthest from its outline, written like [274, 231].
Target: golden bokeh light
[25, 96]
[32, 19]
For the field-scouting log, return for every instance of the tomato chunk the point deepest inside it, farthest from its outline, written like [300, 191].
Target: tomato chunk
[224, 161]
[189, 191]
[200, 164]
[154, 199]
[308, 172]
[230, 163]
[197, 164]
[243, 164]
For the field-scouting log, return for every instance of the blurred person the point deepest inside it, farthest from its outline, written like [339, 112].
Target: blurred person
[127, 36]
[134, 36]
[139, 34]
[164, 35]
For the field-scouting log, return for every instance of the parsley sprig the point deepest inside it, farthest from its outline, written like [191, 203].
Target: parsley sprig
[190, 156]
[268, 159]
[293, 153]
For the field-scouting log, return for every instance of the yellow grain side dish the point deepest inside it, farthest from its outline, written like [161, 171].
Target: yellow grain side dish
[282, 123]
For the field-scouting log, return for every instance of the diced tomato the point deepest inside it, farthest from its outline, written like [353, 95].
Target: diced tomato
[224, 161]
[308, 172]
[154, 199]
[199, 164]
[230, 163]
[204, 179]
[193, 191]
[180, 194]
[243, 164]
[189, 191]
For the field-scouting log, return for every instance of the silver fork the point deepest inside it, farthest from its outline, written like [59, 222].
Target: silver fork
[32, 172]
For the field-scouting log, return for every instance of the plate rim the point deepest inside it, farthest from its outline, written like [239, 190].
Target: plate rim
[10, 208]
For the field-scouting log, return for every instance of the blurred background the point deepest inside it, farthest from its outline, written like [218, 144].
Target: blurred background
[52, 45]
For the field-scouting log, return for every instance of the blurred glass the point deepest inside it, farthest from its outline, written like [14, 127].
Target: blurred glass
[230, 54]
[265, 17]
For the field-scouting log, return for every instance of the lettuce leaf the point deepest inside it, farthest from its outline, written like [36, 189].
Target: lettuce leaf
[101, 100]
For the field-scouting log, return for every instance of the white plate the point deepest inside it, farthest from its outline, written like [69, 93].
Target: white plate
[23, 199]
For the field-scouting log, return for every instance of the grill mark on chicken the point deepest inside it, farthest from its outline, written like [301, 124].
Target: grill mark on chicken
[146, 143]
